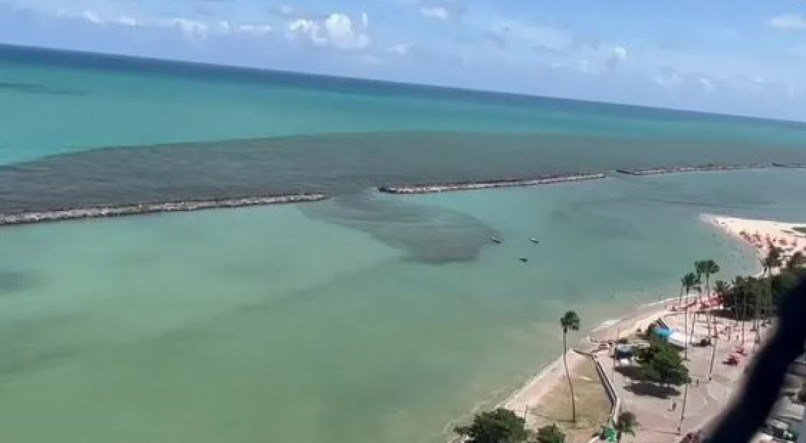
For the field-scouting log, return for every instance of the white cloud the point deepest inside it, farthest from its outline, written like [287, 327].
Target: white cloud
[667, 77]
[619, 53]
[337, 31]
[436, 12]
[614, 56]
[190, 28]
[707, 84]
[442, 10]
[401, 49]
[254, 30]
[125, 20]
[534, 35]
[92, 17]
[789, 22]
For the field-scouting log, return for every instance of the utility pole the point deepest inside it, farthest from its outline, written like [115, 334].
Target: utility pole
[685, 333]
[713, 356]
[683, 410]
[615, 351]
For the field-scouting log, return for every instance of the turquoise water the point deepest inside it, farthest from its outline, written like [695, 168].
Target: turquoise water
[364, 318]
[274, 324]
[58, 102]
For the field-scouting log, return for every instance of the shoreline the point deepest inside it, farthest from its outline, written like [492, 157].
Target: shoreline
[761, 235]
[605, 331]
[550, 375]
[31, 217]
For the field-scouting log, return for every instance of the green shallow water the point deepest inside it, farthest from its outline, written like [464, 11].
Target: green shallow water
[288, 324]
[361, 319]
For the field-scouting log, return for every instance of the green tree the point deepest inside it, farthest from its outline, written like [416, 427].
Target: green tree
[498, 426]
[550, 434]
[689, 281]
[771, 261]
[626, 424]
[721, 287]
[768, 263]
[707, 268]
[662, 364]
[797, 260]
[569, 322]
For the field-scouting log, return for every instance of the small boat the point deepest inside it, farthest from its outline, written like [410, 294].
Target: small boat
[495, 240]
[523, 259]
[534, 240]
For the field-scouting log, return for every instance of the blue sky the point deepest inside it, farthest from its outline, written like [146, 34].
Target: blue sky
[731, 56]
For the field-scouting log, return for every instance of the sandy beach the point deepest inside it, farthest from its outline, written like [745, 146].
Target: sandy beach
[763, 234]
[550, 384]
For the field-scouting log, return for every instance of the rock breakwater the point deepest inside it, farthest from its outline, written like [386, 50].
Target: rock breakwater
[18, 218]
[505, 183]
[680, 169]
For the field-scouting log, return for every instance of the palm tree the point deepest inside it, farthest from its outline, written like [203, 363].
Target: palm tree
[796, 260]
[721, 287]
[768, 263]
[689, 281]
[759, 292]
[742, 286]
[707, 267]
[626, 424]
[569, 321]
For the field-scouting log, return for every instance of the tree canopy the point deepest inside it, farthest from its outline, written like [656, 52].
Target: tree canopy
[550, 434]
[706, 267]
[498, 426]
[661, 363]
[627, 422]
[745, 293]
[570, 321]
[797, 260]
[689, 281]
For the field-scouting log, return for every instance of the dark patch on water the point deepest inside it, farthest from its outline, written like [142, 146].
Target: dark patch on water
[16, 281]
[32, 344]
[349, 167]
[337, 164]
[36, 88]
[423, 233]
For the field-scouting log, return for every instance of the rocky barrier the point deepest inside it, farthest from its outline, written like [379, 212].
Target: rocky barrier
[505, 183]
[789, 165]
[679, 169]
[18, 218]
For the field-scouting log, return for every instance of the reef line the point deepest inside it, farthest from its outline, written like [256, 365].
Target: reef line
[473, 185]
[681, 169]
[18, 218]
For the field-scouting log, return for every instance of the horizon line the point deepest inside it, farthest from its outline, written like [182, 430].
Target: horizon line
[488, 92]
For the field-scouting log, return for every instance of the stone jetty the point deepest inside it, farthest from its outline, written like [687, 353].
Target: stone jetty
[680, 169]
[18, 218]
[790, 165]
[505, 183]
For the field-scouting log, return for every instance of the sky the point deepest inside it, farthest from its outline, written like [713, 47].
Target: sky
[745, 57]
